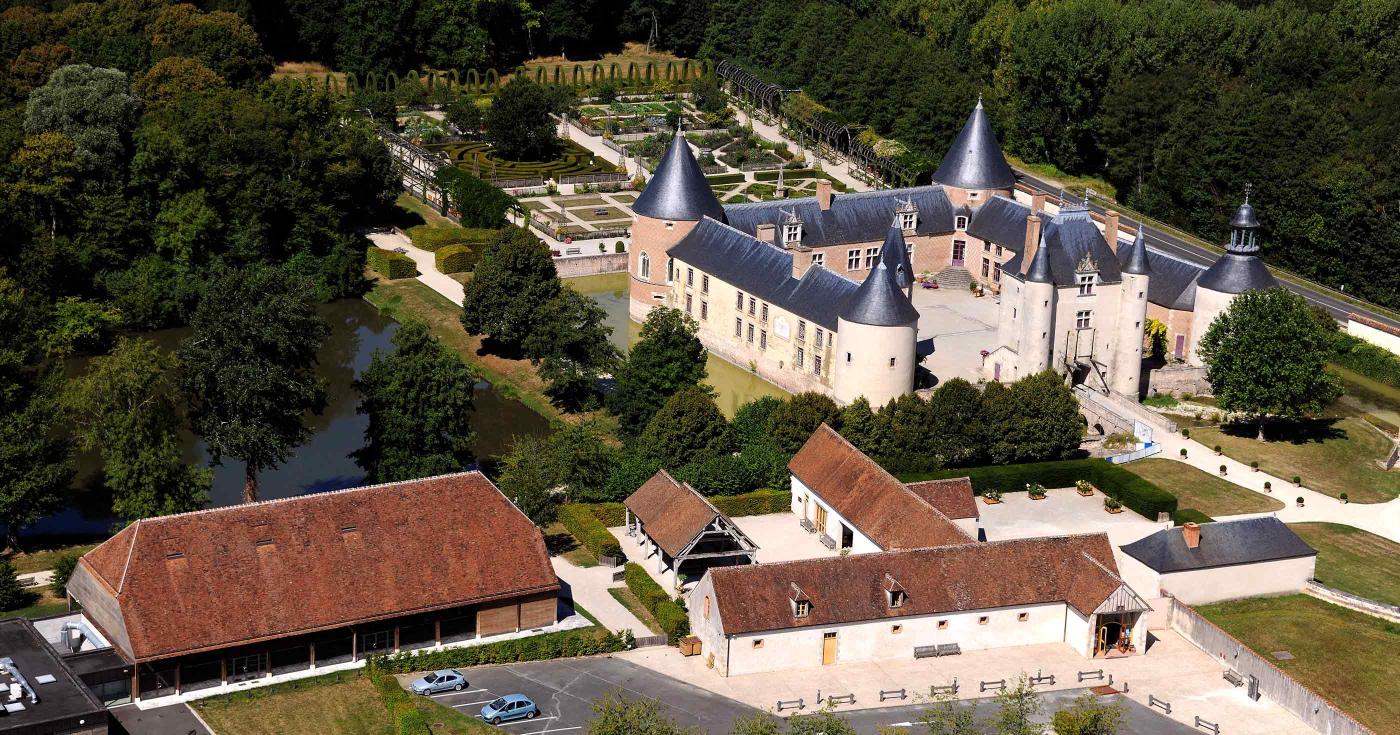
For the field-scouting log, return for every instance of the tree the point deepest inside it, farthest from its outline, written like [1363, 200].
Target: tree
[63, 571]
[819, 723]
[92, 106]
[1266, 356]
[175, 76]
[904, 427]
[13, 595]
[1017, 708]
[947, 716]
[79, 326]
[478, 203]
[759, 724]
[613, 715]
[48, 166]
[514, 277]
[752, 421]
[222, 41]
[529, 479]
[1088, 715]
[794, 422]
[584, 460]
[125, 408]
[956, 408]
[519, 125]
[1045, 421]
[688, 428]
[572, 347]
[666, 358]
[249, 367]
[419, 402]
[465, 115]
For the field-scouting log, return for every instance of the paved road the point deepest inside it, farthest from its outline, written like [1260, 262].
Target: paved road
[1175, 246]
[565, 691]
[1137, 719]
[176, 719]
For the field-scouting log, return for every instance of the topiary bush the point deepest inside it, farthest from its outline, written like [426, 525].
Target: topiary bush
[589, 531]
[390, 264]
[455, 259]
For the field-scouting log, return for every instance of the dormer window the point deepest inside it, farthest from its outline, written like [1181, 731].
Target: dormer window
[907, 221]
[792, 233]
[1085, 282]
[894, 592]
[896, 598]
[960, 223]
[801, 604]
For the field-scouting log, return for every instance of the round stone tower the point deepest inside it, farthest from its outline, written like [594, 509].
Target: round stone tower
[1038, 306]
[674, 201]
[1132, 321]
[876, 333]
[1240, 269]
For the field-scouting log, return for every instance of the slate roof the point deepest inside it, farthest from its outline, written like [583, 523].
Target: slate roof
[1068, 237]
[239, 575]
[1002, 220]
[879, 302]
[1223, 544]
[863, 216]
[895, 254]
[871, 499]
[678, 190]
[952, 497]
[765, 271]
[1076, 570]
[672, 512]
[1237, 273]
[974, 160]
[1171, 282]
[1133, 258]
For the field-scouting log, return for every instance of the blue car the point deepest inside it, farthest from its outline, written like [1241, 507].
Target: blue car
[509, 707]
[439, 681]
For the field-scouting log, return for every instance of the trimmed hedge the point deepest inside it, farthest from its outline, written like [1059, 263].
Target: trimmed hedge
[589, 530]
[390, 264]
[435, 237]
[608, 514]
[669, 614]
[563, 644]
[1362, 357]
[455, 259]
[756, 503]
[725, 179]
[788, 175]
[403, 711]
[1143, 497]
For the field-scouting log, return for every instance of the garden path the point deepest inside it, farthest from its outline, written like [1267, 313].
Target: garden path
[841, 170]
[589, 588]
[428, 273]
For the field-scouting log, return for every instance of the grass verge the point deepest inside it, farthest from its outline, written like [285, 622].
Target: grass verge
[1332, 457]
[1353, 560]
[41, 560]
[344, 703]
[561, 543]
[634, 606]
[1343, 655]
[1201, 491]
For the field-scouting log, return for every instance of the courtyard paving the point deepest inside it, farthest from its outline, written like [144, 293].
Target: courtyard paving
[961, 326]
[1063, 511]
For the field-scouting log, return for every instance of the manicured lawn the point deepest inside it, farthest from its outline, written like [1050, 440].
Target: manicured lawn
[444, 720]
[1354, 561]
[43, 559]
[346, 704]
[588, 215]
[634, 606]
[1201, 491]
[1333, 457]
[1346, 656]
[561, 543]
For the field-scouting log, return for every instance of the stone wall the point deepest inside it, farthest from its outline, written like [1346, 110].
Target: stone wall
[1178, 380]
[588, 265]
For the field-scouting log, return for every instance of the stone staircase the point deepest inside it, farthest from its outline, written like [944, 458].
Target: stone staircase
[953, 278]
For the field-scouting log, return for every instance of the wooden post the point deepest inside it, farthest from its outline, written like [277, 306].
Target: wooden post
[354, 645]
[223, 671]
[136, 682]
[396, 639]
[437, 632]
[312, 646]
[267, 655]
[177, 678]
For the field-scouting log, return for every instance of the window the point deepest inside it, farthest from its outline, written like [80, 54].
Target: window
[801, 329]
[907, 220]
[644, 266]
[739, 301]
[1083, 319]
[704, 284]
[738, 327]
[687, 303]
[707, 607]
[750, 333]
[848, 358]
[820, 337]
[960, 223]
[758, 643]
[891, 362]
[983, 620]
[943, 625]
[763, 339]
[792, 233]
[670, 270]
[800, 608]
[896, 598]
[752, 304]
[872, 256]
[973, 194]
[896, 629]
[853, 260]
[689, 276]
[1023, 617]
[986, 247]
[801, 355]
[763, 314]
[818, 258]
[704, 310]
[816, 364]
[1086, 284]
[986, 268]
[996, 273]
[670, 225]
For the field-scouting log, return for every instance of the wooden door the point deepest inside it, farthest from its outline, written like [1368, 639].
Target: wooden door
[820, 519]
[828, 648]
[959, 253]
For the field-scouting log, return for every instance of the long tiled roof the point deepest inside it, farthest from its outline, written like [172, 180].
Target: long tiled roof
[953, 497]
[765, 271]
[679, 190]
[1076, 570]
[862, 492]
[238, 575]
[853, 217]
[974, 160]
[672, 513]
[1223, 543]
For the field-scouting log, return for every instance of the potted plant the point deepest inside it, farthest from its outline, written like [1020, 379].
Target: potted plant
[1268, 486]
[1343, 498]
[1036, 491]
[1254, 466]
[1218, 452]
[1183, 452]
[1300, 501]
[1185, 433]
[1112, 505]
[1297, 481]
[991, 497]
[1222, 470]
[1084, 487]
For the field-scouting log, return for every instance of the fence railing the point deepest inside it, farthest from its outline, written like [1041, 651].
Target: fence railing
[616, 177]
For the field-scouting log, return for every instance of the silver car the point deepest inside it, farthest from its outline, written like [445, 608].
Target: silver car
[439, 681]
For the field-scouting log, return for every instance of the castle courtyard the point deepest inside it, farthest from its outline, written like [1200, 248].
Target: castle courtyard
[960, 325]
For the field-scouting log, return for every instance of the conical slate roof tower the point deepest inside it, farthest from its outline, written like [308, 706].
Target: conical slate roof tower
[895, 255]
[678, 190]
[1240, 269]
[974, 161]
[879, 302]
[1136, 261]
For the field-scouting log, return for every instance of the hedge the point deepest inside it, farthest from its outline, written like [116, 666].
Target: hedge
[725, 179]
[669, 614]
[435, 237]
[1362, 357]
[563, 644]
[589, 530]
[402, 709]
[756, 503]
[455, 259]
[1135, 493]
[390, 264]
[789, 175]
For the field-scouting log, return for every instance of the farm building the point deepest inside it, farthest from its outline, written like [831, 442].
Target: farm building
[685, 532]
[1224, 560]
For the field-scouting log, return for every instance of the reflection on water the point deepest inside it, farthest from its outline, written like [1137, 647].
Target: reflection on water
[734, 385]
[323, 462]
[1364, 395]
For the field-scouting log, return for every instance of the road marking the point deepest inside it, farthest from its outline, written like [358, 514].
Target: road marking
[468, 704]
[439, 695]
[522, 722]
[560, 729]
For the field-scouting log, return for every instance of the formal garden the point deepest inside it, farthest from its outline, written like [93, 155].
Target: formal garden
[480, 159]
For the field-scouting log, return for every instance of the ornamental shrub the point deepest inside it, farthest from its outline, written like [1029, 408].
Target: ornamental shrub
[589, 531]
[669, 614]
[455, 259]
[1367, 359]
[758, 502]
[390, 264]
[435, 237]
[563, 644]
[1134, 492]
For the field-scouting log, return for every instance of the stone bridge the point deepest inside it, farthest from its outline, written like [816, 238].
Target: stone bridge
[1110, 413]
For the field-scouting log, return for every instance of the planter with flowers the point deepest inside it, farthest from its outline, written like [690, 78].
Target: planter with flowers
[1112, 505]
[1084, 487]
[1035, 490]
[991, 497]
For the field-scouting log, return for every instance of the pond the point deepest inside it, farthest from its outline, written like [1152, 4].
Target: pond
[323, 462]
[734, 385]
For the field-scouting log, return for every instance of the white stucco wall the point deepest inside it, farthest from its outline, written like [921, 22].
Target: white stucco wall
[1138, 576]
[1078, 633]
[1204, 586]
[860, 544]
[876, 641]
[1382, 339]
[875, 362]
[708, 628]
[1209, 305]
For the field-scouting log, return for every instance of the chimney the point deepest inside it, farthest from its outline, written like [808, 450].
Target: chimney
[1110, 228]
[767, 232]
[1037, 203]
[1032, 240]
[1192, 533]
[824, 194]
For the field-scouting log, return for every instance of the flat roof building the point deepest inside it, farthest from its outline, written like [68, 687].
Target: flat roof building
[40, 695]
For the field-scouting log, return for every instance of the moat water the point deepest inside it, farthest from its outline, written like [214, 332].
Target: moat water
[323, 462]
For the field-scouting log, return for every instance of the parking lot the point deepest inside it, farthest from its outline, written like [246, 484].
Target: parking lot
[565, 692]
[1137, 719]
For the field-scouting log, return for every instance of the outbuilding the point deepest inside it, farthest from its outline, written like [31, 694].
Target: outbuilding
[684, 531]
[1223, 560]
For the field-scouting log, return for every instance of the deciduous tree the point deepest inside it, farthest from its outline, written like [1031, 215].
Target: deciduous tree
[1088, 715]
[514, 277]
[666, 358]
[572, 347]
[92, 106]
[688, 428]
[798, 417]
[519, 125]
[529, 479]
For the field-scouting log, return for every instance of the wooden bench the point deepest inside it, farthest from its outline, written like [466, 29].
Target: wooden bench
[808, 526]
[942, 649]
[1233, 677]
[828, 542]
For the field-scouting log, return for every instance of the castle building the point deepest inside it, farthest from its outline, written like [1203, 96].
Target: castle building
[815, 293]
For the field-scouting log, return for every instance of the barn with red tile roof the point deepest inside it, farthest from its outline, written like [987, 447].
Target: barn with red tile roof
[684, 531]
[200, 600]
